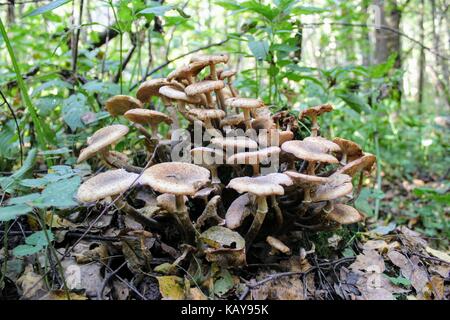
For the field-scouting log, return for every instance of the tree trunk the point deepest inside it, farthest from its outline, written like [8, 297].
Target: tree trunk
[11, 14]
[421, 83]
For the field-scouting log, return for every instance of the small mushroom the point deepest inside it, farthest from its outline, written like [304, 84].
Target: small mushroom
[246, 104]
[114, 183]
[278, 245]
[231, 120]
[170, 92]
[313, 113]
[205, 87]
[306, 182]
[228, 75]
[179, 179]
[150, 88]
[331, 146]
[209, 158]
[261, 187]
[148, 117]
[99, 142]
[338, 185]
[311, 152]
[234, 144]
[344, 214]
[365, 163]
[349, 149]
[239, 209]
[207, 116]
[120, 104]
[254, 158]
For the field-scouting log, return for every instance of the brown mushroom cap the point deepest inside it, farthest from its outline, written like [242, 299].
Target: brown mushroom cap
[308, 151]
[204, 86]
[232, 120]
[120, 104]
[364, 163]
[178, 178]
[226, 74]
[207, 155]
[244, 103]
[237, 211]
[147, 117]
[348, 147]
[203, 114]
[301, 179]
[331, 146]
[337, 186]
[106, 184]
[238, 142]
[178, 94]
[253, 157]
[101, 139]
[262, 112]
[150, 88]
[213, 58]
[284, 136]
[316, 111]
[344, 214]
[262, 123]
[270, 184]
[186, 71]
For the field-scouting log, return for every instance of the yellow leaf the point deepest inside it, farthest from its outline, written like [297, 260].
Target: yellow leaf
[171, 287]
[438, 254]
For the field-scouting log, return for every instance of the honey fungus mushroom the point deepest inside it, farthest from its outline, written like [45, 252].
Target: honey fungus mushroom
[254, 158]
[179, 179]
[349, 149]
[246, 105]
[148, 117]
[99, 144]
[209, 158]
[338, 185]
[120, 104]
[313, 113]
[261, 187]
[205, 87]
[114, 183]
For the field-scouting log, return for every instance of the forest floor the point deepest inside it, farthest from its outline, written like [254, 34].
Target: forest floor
[105, 258]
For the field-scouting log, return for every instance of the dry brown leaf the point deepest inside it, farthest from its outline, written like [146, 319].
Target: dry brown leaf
[438, 287]
[369, 260]
[62, 295]
[285, 288]
[380, 245]
[83, 276]
[402, 262]
[438, 254]
[31, 284]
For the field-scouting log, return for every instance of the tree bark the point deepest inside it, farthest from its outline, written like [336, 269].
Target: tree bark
[421, 83]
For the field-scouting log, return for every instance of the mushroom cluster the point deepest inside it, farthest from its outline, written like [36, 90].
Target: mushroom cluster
[250, 180]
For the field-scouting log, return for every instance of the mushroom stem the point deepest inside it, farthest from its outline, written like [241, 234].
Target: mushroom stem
[113, 162]
[136, 215]
[219, 93]
[307, 194]
[214, 176]
[257, 220]
[183, 216]
[315, 126]
[344, 159]
[247, 118]
[329, 207]
[209, 100]
[255, 169]
[278, 213]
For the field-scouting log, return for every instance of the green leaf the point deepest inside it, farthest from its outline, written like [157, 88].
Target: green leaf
[27, 199]
[157, 10]
[259, 49]
[39, 239]
[12, 212]
[355, 102]
[26, 250]
[224, 283]
[48, 7]
[307, 10]
[8, 183]
[399, 281]
[59, 194]
[73, 109]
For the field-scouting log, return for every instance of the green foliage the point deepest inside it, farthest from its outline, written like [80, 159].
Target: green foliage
[34, 243]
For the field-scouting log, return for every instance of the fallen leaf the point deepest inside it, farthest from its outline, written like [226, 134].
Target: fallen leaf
[62, 295]
[171, 287]
[438, 254]
[369, 260]
[31, 284]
